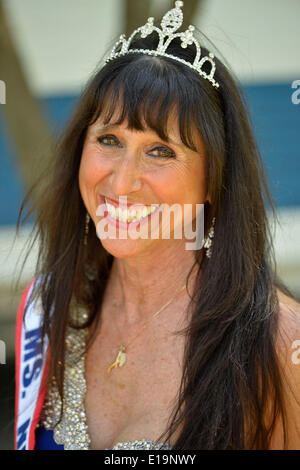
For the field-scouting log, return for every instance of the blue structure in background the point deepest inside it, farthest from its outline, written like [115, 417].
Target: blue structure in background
[276, 123]
[277, 129]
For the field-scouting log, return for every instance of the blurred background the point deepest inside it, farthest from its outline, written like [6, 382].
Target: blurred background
[49, 49]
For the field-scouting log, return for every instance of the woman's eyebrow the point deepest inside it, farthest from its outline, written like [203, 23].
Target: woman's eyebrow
[112, 127]
[107, 128]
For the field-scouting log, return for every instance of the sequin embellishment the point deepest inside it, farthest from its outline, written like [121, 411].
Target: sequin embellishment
[71, 432]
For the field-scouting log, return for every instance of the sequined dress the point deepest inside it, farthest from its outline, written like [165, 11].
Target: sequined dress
[72, 431]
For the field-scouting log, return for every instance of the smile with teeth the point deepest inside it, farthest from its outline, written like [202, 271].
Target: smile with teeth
[127, 215]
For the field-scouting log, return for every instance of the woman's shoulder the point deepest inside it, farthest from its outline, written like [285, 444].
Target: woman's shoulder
[289, 317]
[288, 333]
[288, 351]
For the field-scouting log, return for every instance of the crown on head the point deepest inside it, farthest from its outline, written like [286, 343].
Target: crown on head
[170, 23]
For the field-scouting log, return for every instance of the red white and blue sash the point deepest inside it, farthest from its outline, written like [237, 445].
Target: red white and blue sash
[31, 372]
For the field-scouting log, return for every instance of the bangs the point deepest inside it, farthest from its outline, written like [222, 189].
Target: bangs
[145, 93]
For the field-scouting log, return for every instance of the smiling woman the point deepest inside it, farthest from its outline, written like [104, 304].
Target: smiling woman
[148, 344]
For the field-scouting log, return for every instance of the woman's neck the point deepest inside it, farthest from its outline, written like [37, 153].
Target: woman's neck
[142, 285]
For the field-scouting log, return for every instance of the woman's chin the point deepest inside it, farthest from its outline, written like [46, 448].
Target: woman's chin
[124, 248]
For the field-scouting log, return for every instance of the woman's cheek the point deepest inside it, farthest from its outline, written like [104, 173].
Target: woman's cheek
[90, 166]
[87, 174]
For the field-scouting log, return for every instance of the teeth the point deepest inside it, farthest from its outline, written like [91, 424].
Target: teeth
[127, 215]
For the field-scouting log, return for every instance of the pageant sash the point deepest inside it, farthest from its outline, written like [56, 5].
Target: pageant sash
[31, 371]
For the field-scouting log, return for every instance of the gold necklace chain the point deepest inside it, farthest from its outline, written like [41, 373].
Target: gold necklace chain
[121, 356]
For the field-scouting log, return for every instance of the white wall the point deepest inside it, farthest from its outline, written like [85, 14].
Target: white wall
[259, 38]
[61, 41]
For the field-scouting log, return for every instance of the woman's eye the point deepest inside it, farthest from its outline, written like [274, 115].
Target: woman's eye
[162, 152]
[109, 140]
[157, 152]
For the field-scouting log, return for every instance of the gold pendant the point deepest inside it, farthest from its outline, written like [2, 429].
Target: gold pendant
[120, 359]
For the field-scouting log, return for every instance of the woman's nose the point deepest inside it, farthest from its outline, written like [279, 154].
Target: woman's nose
[125, 177]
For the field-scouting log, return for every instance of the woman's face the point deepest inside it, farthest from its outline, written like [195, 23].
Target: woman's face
[117, 161]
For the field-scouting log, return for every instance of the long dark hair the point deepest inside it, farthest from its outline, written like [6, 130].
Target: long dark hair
[231, 374]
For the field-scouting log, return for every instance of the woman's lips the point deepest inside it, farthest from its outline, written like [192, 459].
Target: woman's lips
[119, 223]
[122, 205]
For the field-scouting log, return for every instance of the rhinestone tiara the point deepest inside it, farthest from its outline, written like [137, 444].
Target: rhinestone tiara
[170, 23]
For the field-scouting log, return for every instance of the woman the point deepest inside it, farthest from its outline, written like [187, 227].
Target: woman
[153, 345]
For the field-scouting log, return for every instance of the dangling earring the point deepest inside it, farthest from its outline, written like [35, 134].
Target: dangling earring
[208, 240]
[86, 229]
